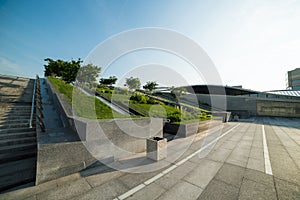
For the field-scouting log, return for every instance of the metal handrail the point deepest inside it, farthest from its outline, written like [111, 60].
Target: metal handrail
[32, 104]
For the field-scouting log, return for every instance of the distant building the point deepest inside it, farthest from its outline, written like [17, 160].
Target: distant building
[293, 79]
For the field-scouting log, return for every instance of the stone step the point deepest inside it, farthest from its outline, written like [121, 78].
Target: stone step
[21, 113]
[16, 112]
[14, 141]
[17, 147]
[14, 117]
[17, 179]
[15, 166]
[13, 108]
[14, 125]
[14, 121]
[16, 135]
[16, 130]
[18, 155]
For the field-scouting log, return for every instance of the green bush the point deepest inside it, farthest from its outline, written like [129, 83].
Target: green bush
[174, 117]
[105, 89]
[152, 101]
[203, 116]
[139, 98]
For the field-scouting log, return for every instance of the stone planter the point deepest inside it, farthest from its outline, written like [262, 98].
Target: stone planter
[157, 148]
[182, 130]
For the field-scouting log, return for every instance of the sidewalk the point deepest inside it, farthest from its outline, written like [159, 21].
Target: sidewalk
[234, 168]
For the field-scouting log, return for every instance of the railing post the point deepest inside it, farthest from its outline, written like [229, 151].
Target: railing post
[32, 104]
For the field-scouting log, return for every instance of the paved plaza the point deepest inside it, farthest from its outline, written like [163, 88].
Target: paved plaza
[254, 159]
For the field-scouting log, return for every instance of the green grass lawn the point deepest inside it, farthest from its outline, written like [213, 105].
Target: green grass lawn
[86, 106]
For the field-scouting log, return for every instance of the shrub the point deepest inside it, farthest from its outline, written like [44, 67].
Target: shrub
[105, 90]
[152, 101]
[174, 116]
[203, 116]
[139, 98]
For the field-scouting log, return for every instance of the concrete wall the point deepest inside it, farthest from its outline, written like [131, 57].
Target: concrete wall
[278, 108]
[246, 106]
[104, 140]
[61, 159]
[62, 105]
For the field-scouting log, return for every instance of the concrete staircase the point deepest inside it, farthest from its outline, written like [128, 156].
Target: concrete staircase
[18, 147]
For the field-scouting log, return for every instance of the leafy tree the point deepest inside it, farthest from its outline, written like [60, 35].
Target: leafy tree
[133, 83]
[66, 70]
[150, 85]
[88, 73]
[70, 70]
[53, 68]
[108, 81]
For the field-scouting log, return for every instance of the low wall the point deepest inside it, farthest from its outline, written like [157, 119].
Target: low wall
[104, 140]
[60, 159]
[278, 108]
[186, 130]
[62, 105]
[181, 130]
[246, 106]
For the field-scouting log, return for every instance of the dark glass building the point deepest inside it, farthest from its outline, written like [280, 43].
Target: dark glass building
[293, 79]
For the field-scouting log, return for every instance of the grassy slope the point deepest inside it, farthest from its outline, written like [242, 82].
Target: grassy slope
[85, 105]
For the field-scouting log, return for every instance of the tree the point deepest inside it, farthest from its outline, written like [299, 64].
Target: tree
[70, 70]
[53, 68]
[66, 70]
[88, 73]
[133, 83]
[150, 85]
[108, 81]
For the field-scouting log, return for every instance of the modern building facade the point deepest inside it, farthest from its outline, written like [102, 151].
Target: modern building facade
[293, 79]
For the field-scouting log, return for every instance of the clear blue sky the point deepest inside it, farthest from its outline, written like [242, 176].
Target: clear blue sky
[252, 42]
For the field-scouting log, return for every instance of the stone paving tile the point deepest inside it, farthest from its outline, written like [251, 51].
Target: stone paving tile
[182, 171]
[109, 190]
[295, 155]
[31, 198]
[31, 191]
[219, 155]
[167, 182]
[242, 162]
[257, 153]
[283, 166]
[132, 180]
[182, 190]
[231, 174]
[203, 173]
[256, 164]
[99, 179]
[287, 190]
[66, 191]
[229, 145]
[153, 191]
[254, 190]
[218, 190]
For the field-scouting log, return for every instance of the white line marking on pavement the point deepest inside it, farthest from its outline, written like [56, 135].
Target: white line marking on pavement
[214, 141]
[131, 192]
[158, 176]
[151, 180]
[268, 168]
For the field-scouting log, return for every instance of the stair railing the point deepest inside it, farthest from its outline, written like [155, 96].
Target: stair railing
[32, 104]
[37, 103]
